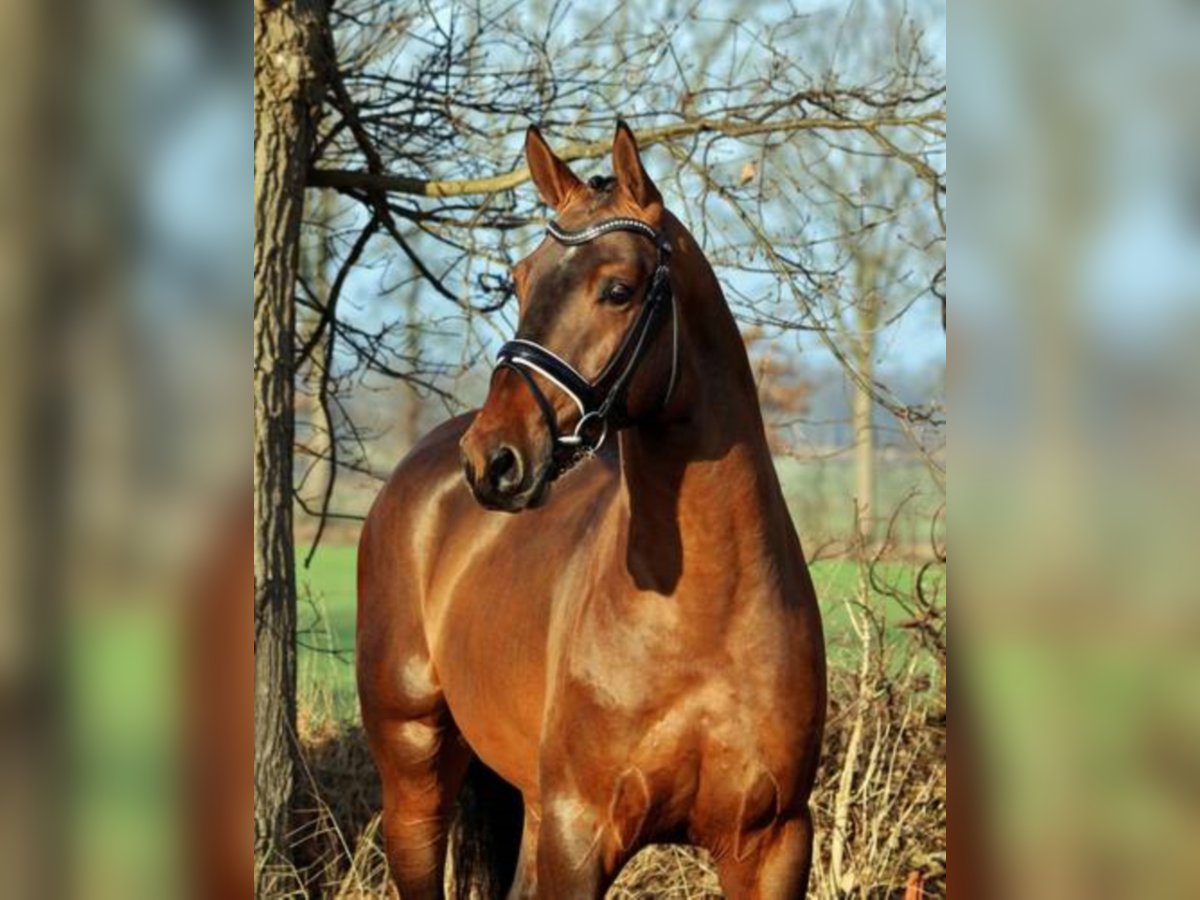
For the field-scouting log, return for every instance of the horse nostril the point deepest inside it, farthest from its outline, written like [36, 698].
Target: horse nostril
[504, 469]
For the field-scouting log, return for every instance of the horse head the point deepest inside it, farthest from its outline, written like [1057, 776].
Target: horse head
[597, 341]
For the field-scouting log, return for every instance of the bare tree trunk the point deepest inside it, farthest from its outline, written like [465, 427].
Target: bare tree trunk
[287, 83]
[415, 405]
[864, 455]
[867, 314]
[315, 262]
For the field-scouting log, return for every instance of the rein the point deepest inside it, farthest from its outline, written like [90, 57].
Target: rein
[600, 401]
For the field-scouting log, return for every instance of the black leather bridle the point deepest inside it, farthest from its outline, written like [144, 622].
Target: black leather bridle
[601, 400]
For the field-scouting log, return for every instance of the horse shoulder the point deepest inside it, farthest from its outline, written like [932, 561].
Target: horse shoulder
[396, 552]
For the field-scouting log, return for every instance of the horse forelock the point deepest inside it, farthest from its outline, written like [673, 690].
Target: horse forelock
[602, 184]
[599, 199]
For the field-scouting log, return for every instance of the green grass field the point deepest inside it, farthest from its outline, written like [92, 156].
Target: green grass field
[327, 610]
[819, 493]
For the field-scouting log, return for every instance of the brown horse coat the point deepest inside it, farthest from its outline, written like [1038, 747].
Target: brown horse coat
[639, 651]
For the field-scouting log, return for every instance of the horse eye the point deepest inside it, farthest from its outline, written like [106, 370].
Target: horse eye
[617, 293]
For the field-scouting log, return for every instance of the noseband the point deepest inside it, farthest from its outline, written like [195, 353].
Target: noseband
[600, 401]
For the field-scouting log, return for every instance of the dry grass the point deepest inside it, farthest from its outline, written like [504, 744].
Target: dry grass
[880, 801]
[879, 804]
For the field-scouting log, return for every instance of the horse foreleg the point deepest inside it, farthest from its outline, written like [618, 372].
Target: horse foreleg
[772, 864]
[525, 883]
[421, 766]
[577, 855]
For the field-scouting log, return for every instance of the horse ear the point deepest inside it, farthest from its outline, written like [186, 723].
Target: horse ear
[627, 166]
[553, 178]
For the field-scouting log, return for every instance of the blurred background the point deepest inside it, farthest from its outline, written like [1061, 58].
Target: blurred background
[805, 146]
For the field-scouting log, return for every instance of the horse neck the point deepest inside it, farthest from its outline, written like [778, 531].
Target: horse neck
[703, 502]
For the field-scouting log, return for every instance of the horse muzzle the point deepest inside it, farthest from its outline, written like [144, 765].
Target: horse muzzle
[501, 478]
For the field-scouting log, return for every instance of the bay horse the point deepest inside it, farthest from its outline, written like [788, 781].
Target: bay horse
[640, 655]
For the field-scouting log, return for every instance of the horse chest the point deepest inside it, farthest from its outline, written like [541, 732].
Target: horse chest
[634, 650]
[706, 759]
[665, 711]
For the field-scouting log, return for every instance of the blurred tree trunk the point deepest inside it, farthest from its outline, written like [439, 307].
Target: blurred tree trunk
[866, 314]
[287, 86]
[416, 404]
[315, 263]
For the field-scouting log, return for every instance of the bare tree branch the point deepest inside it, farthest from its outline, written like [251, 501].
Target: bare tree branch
[343, 179]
